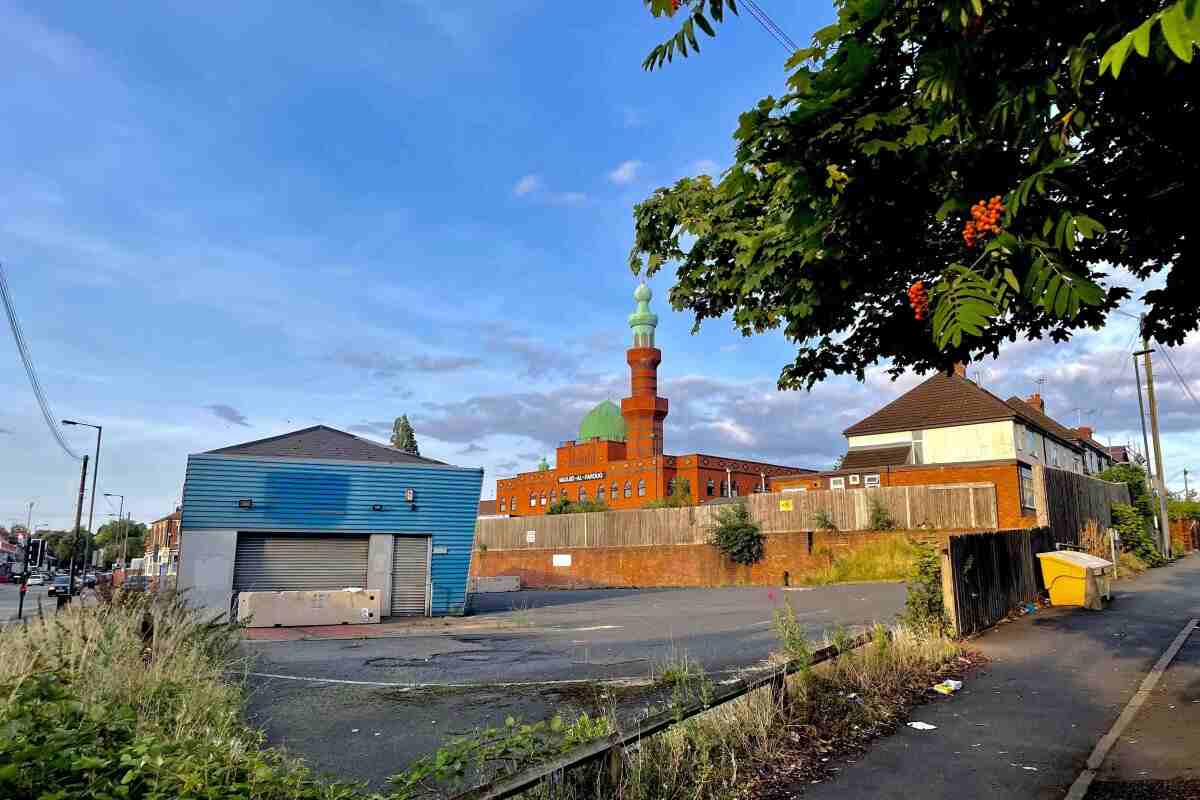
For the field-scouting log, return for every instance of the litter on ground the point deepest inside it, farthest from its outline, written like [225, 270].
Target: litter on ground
[922, 726]
[948, 686]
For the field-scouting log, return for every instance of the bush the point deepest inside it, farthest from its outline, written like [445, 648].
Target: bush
[924, 609]
[679, 495]
[881, 518]
[1134, 477]
[737, 535]
[1135, 535]
[824, 520]
[565, 506]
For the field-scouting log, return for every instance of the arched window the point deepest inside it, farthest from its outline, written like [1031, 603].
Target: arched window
[512, 503]
[600, 492]
[642, 487]
[710, 488]
[616, 490]
[628, 489]
[543, 498]
[733, 489]
[532, 500]
[582, 494]
[724, 489]
[503, 505]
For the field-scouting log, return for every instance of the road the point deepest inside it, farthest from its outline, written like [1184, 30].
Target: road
[9, 593]
[361, 730]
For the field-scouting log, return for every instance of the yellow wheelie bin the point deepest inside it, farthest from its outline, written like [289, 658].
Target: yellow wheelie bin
[1076, 579]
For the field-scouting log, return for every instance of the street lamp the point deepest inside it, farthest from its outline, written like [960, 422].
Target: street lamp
[125, 529]
[95, 473]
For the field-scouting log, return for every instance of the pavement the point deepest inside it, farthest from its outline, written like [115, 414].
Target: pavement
[1056, 682]
[363, 708]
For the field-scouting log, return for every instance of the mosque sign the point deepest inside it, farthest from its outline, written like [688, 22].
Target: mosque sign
[587, 476]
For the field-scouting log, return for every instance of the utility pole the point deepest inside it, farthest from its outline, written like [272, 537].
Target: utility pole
[75, 541]
[1163, 520]
[1137, 375]
[1187, 495]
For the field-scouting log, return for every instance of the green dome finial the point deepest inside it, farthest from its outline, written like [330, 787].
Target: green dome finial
[643, 320]
[543, 465]
[603, 422]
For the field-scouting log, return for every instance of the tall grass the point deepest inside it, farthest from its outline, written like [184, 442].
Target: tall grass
[886, 559]
[158, 658]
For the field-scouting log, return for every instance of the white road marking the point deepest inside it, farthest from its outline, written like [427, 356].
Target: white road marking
[1080, 787]
[592, 628]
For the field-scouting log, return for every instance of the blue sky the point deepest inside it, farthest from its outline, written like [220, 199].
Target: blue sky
[222, 222]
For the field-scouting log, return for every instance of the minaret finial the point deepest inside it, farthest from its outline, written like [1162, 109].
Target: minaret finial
[643, 320]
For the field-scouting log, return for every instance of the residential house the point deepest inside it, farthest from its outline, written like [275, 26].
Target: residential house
[162, 546]
[948, 430]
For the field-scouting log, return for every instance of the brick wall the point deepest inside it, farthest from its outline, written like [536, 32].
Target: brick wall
[695, 565]
[1185, 534]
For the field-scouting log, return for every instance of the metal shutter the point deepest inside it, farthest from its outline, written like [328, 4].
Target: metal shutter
[267, 562]
[410, 575]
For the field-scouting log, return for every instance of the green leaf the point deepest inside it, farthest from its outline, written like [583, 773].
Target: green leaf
[689, 30]
[1114, 57]
[1141, 38]
[704, 26]
[1087, 226]
[978, 4]
[950, 205]
[1011, 278]
[1175, 28]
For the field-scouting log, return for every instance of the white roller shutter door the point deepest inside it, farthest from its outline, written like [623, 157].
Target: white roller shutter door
[274, 562]
[410, 575]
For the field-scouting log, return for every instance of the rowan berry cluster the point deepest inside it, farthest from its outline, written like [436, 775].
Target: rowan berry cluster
[984, 219]
[918, 298]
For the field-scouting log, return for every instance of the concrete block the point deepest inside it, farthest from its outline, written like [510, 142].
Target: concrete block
[501, 583]
[288, 609]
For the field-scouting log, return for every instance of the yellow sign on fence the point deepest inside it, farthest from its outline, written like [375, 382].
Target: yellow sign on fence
[786, 505]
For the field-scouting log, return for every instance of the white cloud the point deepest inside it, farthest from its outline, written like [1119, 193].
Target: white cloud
[568, 198]
[527, 185]
[625, 173]
[706, 166]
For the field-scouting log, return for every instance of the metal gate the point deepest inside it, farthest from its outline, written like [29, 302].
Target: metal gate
[410, 576]
[276, 562]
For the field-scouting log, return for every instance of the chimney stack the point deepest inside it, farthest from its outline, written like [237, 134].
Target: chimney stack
[960, 369]
[1036, 401]
[1084, 431]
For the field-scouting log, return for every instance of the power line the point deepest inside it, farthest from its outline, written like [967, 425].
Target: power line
[769, 25]
[27, 360]
[1187, 389]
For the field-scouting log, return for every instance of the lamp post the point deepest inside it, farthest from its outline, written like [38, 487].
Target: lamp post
[95, 474]
[120, 516]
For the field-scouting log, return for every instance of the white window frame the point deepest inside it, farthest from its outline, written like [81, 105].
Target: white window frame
[871, 481]
[837, 483]
[854, 480]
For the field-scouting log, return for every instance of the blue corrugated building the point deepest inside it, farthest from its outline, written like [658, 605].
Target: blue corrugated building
[321, 509]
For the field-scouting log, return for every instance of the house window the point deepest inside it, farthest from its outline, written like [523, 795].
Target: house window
[628, 489]
[1027, 498]
[710, 488]
[837, 483]
[854, 479]
[1030, 441]
[600, 493]
[871, 481]
[642, 487]
[918, 447]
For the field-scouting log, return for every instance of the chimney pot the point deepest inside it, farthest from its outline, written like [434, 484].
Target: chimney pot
[1037, 402]
[1085, 431]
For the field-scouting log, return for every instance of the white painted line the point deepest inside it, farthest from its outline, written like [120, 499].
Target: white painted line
[508, 685]
[1080, 787]
[592, 628]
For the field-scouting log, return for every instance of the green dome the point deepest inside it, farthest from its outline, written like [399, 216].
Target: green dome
[604, 422]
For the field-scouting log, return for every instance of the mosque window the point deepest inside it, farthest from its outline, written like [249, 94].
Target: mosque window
[503, 504]
[533, 500]
[600, 493]
[642, 487]
[512, 502]
[543, 498]
[628, 489]
[724, 489]
[582, 494]
[616, 490]
[710, 488]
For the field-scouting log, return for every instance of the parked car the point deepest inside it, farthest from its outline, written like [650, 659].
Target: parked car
[35, 580]
[136, 583]
[62, 585]
[89, 580]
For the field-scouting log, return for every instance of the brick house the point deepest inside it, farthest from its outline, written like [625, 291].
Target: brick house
[162, 546]
[949, 430]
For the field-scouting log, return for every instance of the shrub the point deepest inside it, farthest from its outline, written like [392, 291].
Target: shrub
[737, 535]
[565, 506]
[1134, 477]
[1135, 534]
[679, 496]
[824, 520]
[924, 609]
[881, 518]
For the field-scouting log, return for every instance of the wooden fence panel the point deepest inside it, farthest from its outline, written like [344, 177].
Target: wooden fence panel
[994, 572]
[959, 506]
[1075, 503]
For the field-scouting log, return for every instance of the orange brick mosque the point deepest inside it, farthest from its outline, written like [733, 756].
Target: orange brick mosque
[618, 457]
